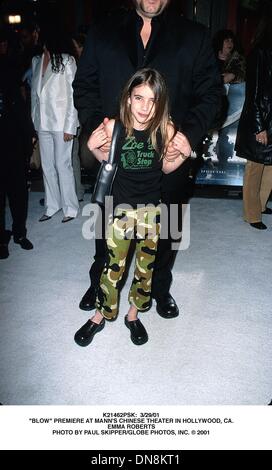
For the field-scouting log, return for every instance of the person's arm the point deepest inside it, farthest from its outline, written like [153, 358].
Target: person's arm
[228, 77]
[33, 90]
[71, 119]
[255, 83]
[26, 126]
[174, 157]
[259, 64]
[206, 93]
[183, 146]
[99, 138]
[262, 137]
[87, 98]
[235, 69]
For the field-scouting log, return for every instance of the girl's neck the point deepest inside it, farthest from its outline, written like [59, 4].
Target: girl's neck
[138, 127]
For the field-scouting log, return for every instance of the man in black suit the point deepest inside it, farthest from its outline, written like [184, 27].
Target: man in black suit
[149, 35]
[16, 136]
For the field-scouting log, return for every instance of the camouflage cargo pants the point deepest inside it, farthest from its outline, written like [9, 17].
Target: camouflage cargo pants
[144, 225]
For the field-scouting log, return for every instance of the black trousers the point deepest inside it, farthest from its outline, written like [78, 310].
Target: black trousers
[13, 186]
[165, 258]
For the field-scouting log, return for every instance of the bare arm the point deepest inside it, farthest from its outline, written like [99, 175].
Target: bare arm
[71, 118]
[178, 150]
[99, 137]
[106, 148]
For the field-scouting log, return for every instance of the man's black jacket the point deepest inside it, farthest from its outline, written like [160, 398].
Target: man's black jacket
[181, 51]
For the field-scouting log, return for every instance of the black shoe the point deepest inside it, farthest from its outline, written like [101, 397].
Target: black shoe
[167, 307]
[267, 211]
[259, 225]
[138, 334]
[67, 218]
[88, 300]
[42, 201]
[4, 253]
[45, 217]
[85, 334]
[24, 242]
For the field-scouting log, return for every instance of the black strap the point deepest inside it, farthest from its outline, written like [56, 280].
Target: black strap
[115, 135]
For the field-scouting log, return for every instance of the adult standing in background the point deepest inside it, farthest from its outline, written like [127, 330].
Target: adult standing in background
[149, 36]
[254, 136]
[229, 56]
[232, 66]
[30, 47]
[16, 135]
[55, 120]
[77, 41]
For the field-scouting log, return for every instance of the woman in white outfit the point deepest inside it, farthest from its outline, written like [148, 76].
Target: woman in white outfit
[55, 120]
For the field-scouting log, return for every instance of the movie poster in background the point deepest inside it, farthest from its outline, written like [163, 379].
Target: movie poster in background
[221, 164]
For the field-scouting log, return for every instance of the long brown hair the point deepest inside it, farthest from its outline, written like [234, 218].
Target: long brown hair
[160, 118]
[54, 42]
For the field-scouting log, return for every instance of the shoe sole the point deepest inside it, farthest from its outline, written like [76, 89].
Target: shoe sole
[86, 309]
[175, 315]
[68, 220]
[263, 227]
[134, 341]
[24, 247]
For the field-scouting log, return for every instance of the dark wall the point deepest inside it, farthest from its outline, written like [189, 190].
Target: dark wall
[70, 15]
[212, 13]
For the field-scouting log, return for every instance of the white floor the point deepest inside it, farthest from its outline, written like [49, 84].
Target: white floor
[217, 352]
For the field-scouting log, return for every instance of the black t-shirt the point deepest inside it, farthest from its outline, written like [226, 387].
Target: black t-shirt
[138, 177]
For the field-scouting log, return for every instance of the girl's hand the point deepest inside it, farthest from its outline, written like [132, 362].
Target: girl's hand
[262, 138]
[181, 144]
[106, 148]
[177, 151]
[98, 138]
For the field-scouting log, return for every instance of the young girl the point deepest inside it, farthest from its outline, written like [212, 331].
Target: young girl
[146, 133]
